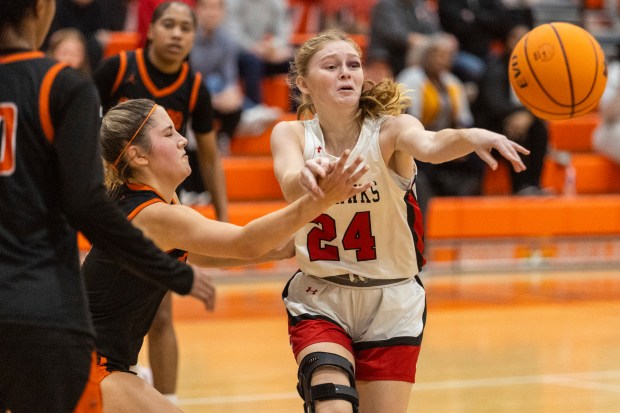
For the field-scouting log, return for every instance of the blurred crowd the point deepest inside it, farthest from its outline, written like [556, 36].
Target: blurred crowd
[451, 55]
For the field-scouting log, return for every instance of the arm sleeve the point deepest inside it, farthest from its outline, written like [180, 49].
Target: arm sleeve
[75, 106]
[202, 116]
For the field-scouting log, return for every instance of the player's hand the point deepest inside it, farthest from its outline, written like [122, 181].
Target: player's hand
[314, 170]
[341, 182]
[484, 141]
[203, 288]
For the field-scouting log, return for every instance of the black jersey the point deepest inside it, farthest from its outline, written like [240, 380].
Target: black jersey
[123, 306]
[130, 75]
[51, 184]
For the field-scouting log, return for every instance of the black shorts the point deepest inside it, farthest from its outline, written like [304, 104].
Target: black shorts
[43, 369]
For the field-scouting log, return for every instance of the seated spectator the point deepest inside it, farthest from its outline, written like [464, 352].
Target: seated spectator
[476, 25]
[439, 101]
[69, 46]
[498, 109]
[215, 55]
[87, 16]
[396, 27]
[606, 137]
[262, 30]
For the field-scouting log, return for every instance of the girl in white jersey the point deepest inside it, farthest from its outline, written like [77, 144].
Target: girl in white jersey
[357, 308]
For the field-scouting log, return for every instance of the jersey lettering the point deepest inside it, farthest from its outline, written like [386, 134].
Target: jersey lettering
[358, 236]
[8, 134]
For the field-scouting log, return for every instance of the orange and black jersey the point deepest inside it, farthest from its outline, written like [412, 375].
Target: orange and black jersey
[130, 75]
[50, 186]
[122, 306]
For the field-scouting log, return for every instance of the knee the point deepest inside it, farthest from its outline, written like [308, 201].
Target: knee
[313, 393]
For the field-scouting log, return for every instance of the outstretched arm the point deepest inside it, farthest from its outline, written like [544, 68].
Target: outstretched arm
[178, 226]
[405, 133]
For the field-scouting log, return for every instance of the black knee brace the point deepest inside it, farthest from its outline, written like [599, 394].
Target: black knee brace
[325, 391]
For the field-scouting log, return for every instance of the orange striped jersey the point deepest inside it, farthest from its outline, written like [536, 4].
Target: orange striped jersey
[51, 185]
[131, 75]
[123, 306]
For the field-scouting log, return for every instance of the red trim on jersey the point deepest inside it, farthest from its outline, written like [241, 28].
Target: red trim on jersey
[122, 67]
[194, 96]
[148, 83]
[418, 226]
[18, 57]
[44, 100]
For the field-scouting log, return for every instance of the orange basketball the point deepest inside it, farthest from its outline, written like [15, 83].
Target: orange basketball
[558, 71]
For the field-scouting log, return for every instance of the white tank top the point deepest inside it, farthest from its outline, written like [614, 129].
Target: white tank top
[375, 234]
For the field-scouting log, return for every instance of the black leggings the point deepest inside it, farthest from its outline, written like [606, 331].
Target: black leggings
[43, 369]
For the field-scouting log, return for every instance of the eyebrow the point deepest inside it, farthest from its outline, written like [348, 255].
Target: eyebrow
[348, 56]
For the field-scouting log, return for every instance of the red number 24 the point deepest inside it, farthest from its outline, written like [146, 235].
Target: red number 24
[358, 236]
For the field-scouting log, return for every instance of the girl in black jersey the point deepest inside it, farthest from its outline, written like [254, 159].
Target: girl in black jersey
[146, 161]
[51, 186]
[160, 72]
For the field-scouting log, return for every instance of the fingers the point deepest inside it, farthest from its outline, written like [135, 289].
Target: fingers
[310, 185]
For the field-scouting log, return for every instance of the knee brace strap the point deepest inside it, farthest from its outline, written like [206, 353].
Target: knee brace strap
[325, 391]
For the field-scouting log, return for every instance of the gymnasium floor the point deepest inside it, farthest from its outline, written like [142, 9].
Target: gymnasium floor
[514, 342]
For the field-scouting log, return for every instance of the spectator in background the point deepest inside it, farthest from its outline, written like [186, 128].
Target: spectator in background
[351, 16]
[145, 12]
[476, 24]
[69, 46]
[606, 137]
[215, 55]
[87, 16]
[262, 29]
[397, 27]
[497, 108]
[439, 101]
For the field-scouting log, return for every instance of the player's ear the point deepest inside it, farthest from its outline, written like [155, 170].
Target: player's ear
[136, 156]
[302, 85]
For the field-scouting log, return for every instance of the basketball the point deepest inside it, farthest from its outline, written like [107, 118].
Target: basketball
[558, 71]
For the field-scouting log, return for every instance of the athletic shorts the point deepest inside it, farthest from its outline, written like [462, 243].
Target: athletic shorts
[382, 326]
[105, 367]
[47, 370]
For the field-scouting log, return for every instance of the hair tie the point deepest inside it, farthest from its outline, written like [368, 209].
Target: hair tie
[115, 164]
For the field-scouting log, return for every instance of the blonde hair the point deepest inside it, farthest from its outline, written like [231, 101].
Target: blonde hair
[377, 99]
[117, 128]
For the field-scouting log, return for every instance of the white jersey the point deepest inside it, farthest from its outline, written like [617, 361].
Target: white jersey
[375, 234]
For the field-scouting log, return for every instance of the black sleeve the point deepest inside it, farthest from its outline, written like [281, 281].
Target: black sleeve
[202, 116]
[75, 109]
[104, 78]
